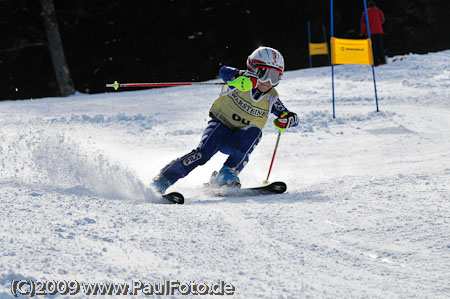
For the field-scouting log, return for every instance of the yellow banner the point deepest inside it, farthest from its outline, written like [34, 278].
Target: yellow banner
[318, 49]
[351, 51]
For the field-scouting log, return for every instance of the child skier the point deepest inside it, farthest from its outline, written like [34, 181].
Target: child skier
[237, 119]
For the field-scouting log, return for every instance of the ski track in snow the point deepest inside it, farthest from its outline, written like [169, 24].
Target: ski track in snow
[366, 213]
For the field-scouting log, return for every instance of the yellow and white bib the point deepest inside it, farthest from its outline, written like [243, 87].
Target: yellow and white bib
[237, 109]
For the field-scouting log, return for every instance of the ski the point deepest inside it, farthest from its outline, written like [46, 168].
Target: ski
[174, 197]
[272, 188]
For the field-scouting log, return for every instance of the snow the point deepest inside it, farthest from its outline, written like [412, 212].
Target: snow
[366, 213]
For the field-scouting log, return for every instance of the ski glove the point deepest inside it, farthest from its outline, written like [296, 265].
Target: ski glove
[252, 76]
[286, 120]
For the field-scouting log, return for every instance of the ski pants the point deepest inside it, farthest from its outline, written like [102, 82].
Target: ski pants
[378, 49]
[238, 145]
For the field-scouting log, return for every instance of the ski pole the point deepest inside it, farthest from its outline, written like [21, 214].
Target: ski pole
[242, 83]
[116, 85]
[280, 130]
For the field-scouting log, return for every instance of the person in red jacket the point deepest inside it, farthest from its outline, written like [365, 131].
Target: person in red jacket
[376, 21]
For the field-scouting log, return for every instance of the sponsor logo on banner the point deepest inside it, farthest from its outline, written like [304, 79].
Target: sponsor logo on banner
[351, 49]
[191, 159]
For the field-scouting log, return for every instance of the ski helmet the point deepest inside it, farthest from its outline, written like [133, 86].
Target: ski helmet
[267, 63]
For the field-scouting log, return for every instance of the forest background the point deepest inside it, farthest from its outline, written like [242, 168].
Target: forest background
[176, 40]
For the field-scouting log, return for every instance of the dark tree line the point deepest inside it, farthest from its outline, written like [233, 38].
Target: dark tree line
[178, 40]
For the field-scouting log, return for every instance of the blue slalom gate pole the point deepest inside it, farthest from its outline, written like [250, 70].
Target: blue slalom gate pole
[309, 42]
[332, 65]
[373, 67]
[375, 87]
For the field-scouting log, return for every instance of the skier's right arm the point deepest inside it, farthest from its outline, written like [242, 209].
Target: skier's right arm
[228, 73]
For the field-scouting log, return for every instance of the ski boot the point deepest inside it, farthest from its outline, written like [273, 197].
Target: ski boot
[225, 177]
[160, 183]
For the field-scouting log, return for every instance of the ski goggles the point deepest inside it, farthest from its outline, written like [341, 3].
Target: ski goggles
[269, 74]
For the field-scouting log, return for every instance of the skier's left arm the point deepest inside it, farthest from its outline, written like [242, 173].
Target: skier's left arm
[363, 24]
[285, 118]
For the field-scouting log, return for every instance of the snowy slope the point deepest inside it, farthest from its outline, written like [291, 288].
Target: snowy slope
[367, 212]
